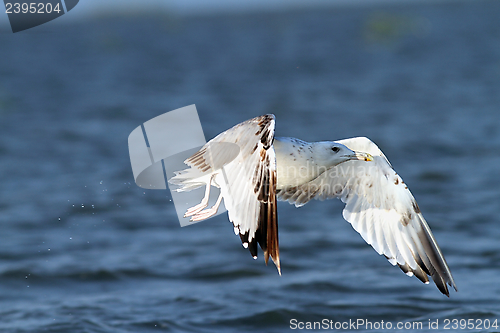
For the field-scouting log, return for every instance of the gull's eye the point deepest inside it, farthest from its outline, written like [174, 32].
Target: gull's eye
[335, 149]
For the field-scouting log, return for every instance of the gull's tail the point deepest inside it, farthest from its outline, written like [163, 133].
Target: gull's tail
[187, 180]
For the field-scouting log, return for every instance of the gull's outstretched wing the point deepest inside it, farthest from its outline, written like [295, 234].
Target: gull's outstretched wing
[381, 208]
[247, 180]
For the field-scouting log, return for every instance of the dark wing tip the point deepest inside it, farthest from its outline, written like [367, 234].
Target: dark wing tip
[431, 262]
[251, 245]
[441, 285]
[267, 230]
[264, 187]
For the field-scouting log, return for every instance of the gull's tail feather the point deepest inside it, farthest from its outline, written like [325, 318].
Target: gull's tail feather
[189, 179]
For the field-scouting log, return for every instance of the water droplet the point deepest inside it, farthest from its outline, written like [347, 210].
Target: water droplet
[83, 206]
[59, 219]
[71, 238]
[100, 182]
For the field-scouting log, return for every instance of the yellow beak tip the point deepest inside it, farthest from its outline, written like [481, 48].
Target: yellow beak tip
[364, 157]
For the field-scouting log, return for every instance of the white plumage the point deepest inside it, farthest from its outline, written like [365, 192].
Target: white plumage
[262, 169]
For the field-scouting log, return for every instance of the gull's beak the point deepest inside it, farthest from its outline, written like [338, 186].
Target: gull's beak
[362, 156]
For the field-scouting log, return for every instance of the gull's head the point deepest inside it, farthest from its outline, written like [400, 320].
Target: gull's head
[335, 153]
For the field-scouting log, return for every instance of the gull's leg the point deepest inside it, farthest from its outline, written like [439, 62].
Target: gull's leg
[208, 212]
[204, 202]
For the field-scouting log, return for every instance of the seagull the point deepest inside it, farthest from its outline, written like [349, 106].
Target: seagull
[263, 169]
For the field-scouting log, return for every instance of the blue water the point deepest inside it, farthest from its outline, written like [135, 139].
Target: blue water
[83, 249]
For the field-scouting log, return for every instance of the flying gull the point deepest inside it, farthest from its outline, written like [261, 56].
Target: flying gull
[264, 169]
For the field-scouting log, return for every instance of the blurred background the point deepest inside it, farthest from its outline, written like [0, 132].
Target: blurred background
[83, 249]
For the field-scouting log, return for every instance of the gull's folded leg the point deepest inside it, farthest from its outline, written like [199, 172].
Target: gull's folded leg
[208, 212]
[204, 202]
